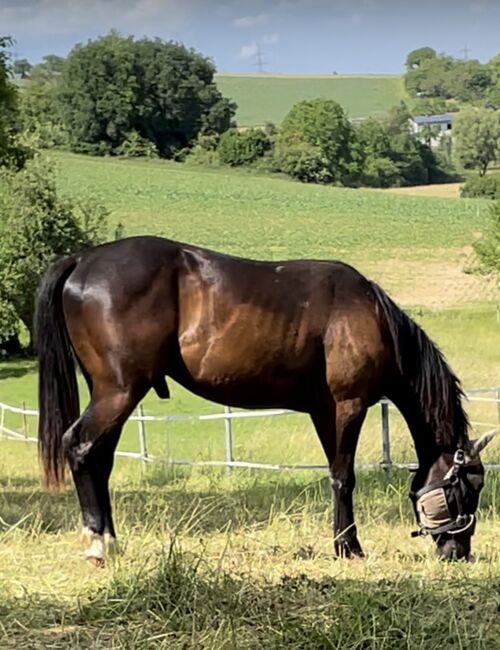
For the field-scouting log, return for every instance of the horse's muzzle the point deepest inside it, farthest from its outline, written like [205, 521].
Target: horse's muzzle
[453, 548]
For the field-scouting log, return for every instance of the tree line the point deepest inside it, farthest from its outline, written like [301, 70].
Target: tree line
[127, 97]
[441, 82]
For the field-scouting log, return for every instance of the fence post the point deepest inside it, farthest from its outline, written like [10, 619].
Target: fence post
[498, 406]
[25, 421]
[142, 436]
[386, 442]
[168, 442]
[2, 420]
[228, 431]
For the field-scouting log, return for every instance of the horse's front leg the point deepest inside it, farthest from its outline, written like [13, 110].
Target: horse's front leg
[345, 537]
[338, 425]
[349, 418]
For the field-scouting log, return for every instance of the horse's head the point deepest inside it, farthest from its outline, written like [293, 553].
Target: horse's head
[447, 497]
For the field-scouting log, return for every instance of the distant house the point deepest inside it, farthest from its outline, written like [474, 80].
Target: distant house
[437, 125]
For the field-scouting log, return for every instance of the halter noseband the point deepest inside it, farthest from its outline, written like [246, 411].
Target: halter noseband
[439, 506]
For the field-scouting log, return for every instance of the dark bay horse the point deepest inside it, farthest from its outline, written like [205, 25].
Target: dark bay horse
[312, 336]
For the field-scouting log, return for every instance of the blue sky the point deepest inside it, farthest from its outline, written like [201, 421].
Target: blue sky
[294, 36]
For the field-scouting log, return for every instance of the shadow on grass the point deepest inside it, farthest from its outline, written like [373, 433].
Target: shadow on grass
[16, 369]
[172, 501]
[178, 602]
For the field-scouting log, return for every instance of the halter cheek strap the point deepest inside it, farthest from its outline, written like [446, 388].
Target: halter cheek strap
[433, 512]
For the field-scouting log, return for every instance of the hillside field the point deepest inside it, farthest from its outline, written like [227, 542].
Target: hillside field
[243, 561]
[268, 98]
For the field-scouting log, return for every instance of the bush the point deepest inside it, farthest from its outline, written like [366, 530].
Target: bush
[204, 151]
[486, 187]
[488, 247]
[238, 148]
[36, 226]
[304, 162]
[380, 172]
[135, 146]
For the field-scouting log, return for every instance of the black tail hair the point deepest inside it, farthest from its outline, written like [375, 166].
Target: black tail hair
[58, 399]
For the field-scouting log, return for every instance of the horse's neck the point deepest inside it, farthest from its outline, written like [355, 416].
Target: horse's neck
[424, 438]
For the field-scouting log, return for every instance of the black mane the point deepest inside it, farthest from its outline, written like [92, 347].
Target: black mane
[424, 366]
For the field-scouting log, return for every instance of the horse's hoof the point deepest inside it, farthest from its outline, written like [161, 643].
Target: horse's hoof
[111, 545]
[96, 562]
[347, 551]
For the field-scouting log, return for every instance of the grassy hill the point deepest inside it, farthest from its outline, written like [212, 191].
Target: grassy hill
[268, 98]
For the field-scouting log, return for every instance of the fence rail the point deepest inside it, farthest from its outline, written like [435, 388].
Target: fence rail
[386, 462]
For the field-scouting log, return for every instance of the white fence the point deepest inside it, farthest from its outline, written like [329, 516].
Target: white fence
[484, 395]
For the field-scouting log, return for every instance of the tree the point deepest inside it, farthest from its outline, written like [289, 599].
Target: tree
[40, 103]
[416, 57]
[163, 91]
[469, 81]
[440, 76]
[374, 145]
[51, 66]
[36, 226]
[427, 73]
[317, 129]
[22, 67]
[493, 94]
[477, 138]
[429, 106]
[12, 153]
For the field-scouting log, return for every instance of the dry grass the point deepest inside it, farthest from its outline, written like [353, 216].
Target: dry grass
[444, 190]
[245, 562]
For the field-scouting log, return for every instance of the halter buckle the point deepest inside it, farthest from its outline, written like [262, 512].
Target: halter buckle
[459, 457]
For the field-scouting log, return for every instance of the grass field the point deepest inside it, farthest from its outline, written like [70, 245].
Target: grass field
[236, 563]
[416, 247]
[244, 561]
[268, 98]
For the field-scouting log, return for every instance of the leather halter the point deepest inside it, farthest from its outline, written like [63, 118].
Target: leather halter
[445, 509]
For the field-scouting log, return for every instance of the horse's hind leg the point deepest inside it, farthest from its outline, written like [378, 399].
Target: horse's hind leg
[338, 426]
[90, 446]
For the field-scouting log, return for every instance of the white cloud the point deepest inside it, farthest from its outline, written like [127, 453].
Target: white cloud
[45, 17]
[248, 51]
[270, 39]
[252, 21]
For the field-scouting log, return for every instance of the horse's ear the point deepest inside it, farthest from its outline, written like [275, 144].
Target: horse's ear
[476, 446]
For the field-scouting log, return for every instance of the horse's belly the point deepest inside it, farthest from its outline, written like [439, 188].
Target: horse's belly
[242, 375]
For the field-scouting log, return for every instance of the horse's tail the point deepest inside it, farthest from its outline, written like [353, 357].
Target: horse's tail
[58, 400]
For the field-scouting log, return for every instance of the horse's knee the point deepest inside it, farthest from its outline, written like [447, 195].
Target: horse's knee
[74, 450]
[342, 485]
[77, 455]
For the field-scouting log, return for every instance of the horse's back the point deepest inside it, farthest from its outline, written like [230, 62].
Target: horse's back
[238, 331]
